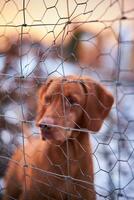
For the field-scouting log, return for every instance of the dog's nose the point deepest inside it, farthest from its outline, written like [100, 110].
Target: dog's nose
[46, 123]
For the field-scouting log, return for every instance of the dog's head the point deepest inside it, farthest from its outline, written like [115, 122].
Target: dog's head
[71, 103]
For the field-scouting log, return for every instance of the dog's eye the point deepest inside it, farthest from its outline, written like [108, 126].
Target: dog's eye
[71, 100]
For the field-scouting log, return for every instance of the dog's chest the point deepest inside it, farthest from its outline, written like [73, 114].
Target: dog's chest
[49, 174]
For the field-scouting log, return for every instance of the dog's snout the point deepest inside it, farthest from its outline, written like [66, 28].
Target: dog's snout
[43, 126]
[46, 123]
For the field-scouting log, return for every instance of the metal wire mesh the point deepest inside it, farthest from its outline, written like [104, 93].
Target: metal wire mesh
[58, 38]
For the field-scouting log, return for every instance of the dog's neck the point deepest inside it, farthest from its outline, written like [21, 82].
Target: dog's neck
[78, 140]
[73, 151]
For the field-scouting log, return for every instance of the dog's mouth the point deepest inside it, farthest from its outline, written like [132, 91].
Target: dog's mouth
[54, 133]
[46, 132]
[46, 135]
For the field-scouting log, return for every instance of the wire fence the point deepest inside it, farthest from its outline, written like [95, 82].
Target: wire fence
[57, 38]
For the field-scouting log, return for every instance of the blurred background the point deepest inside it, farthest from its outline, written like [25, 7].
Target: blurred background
[44, 38]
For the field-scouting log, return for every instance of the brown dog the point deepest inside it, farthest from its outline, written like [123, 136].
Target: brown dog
[60, 166]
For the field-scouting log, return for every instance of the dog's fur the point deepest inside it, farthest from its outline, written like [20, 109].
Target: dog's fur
[60, 165]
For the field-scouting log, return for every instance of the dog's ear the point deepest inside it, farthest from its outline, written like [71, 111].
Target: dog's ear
[97, 106]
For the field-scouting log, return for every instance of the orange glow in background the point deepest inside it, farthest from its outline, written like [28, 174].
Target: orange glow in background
[45, 19]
